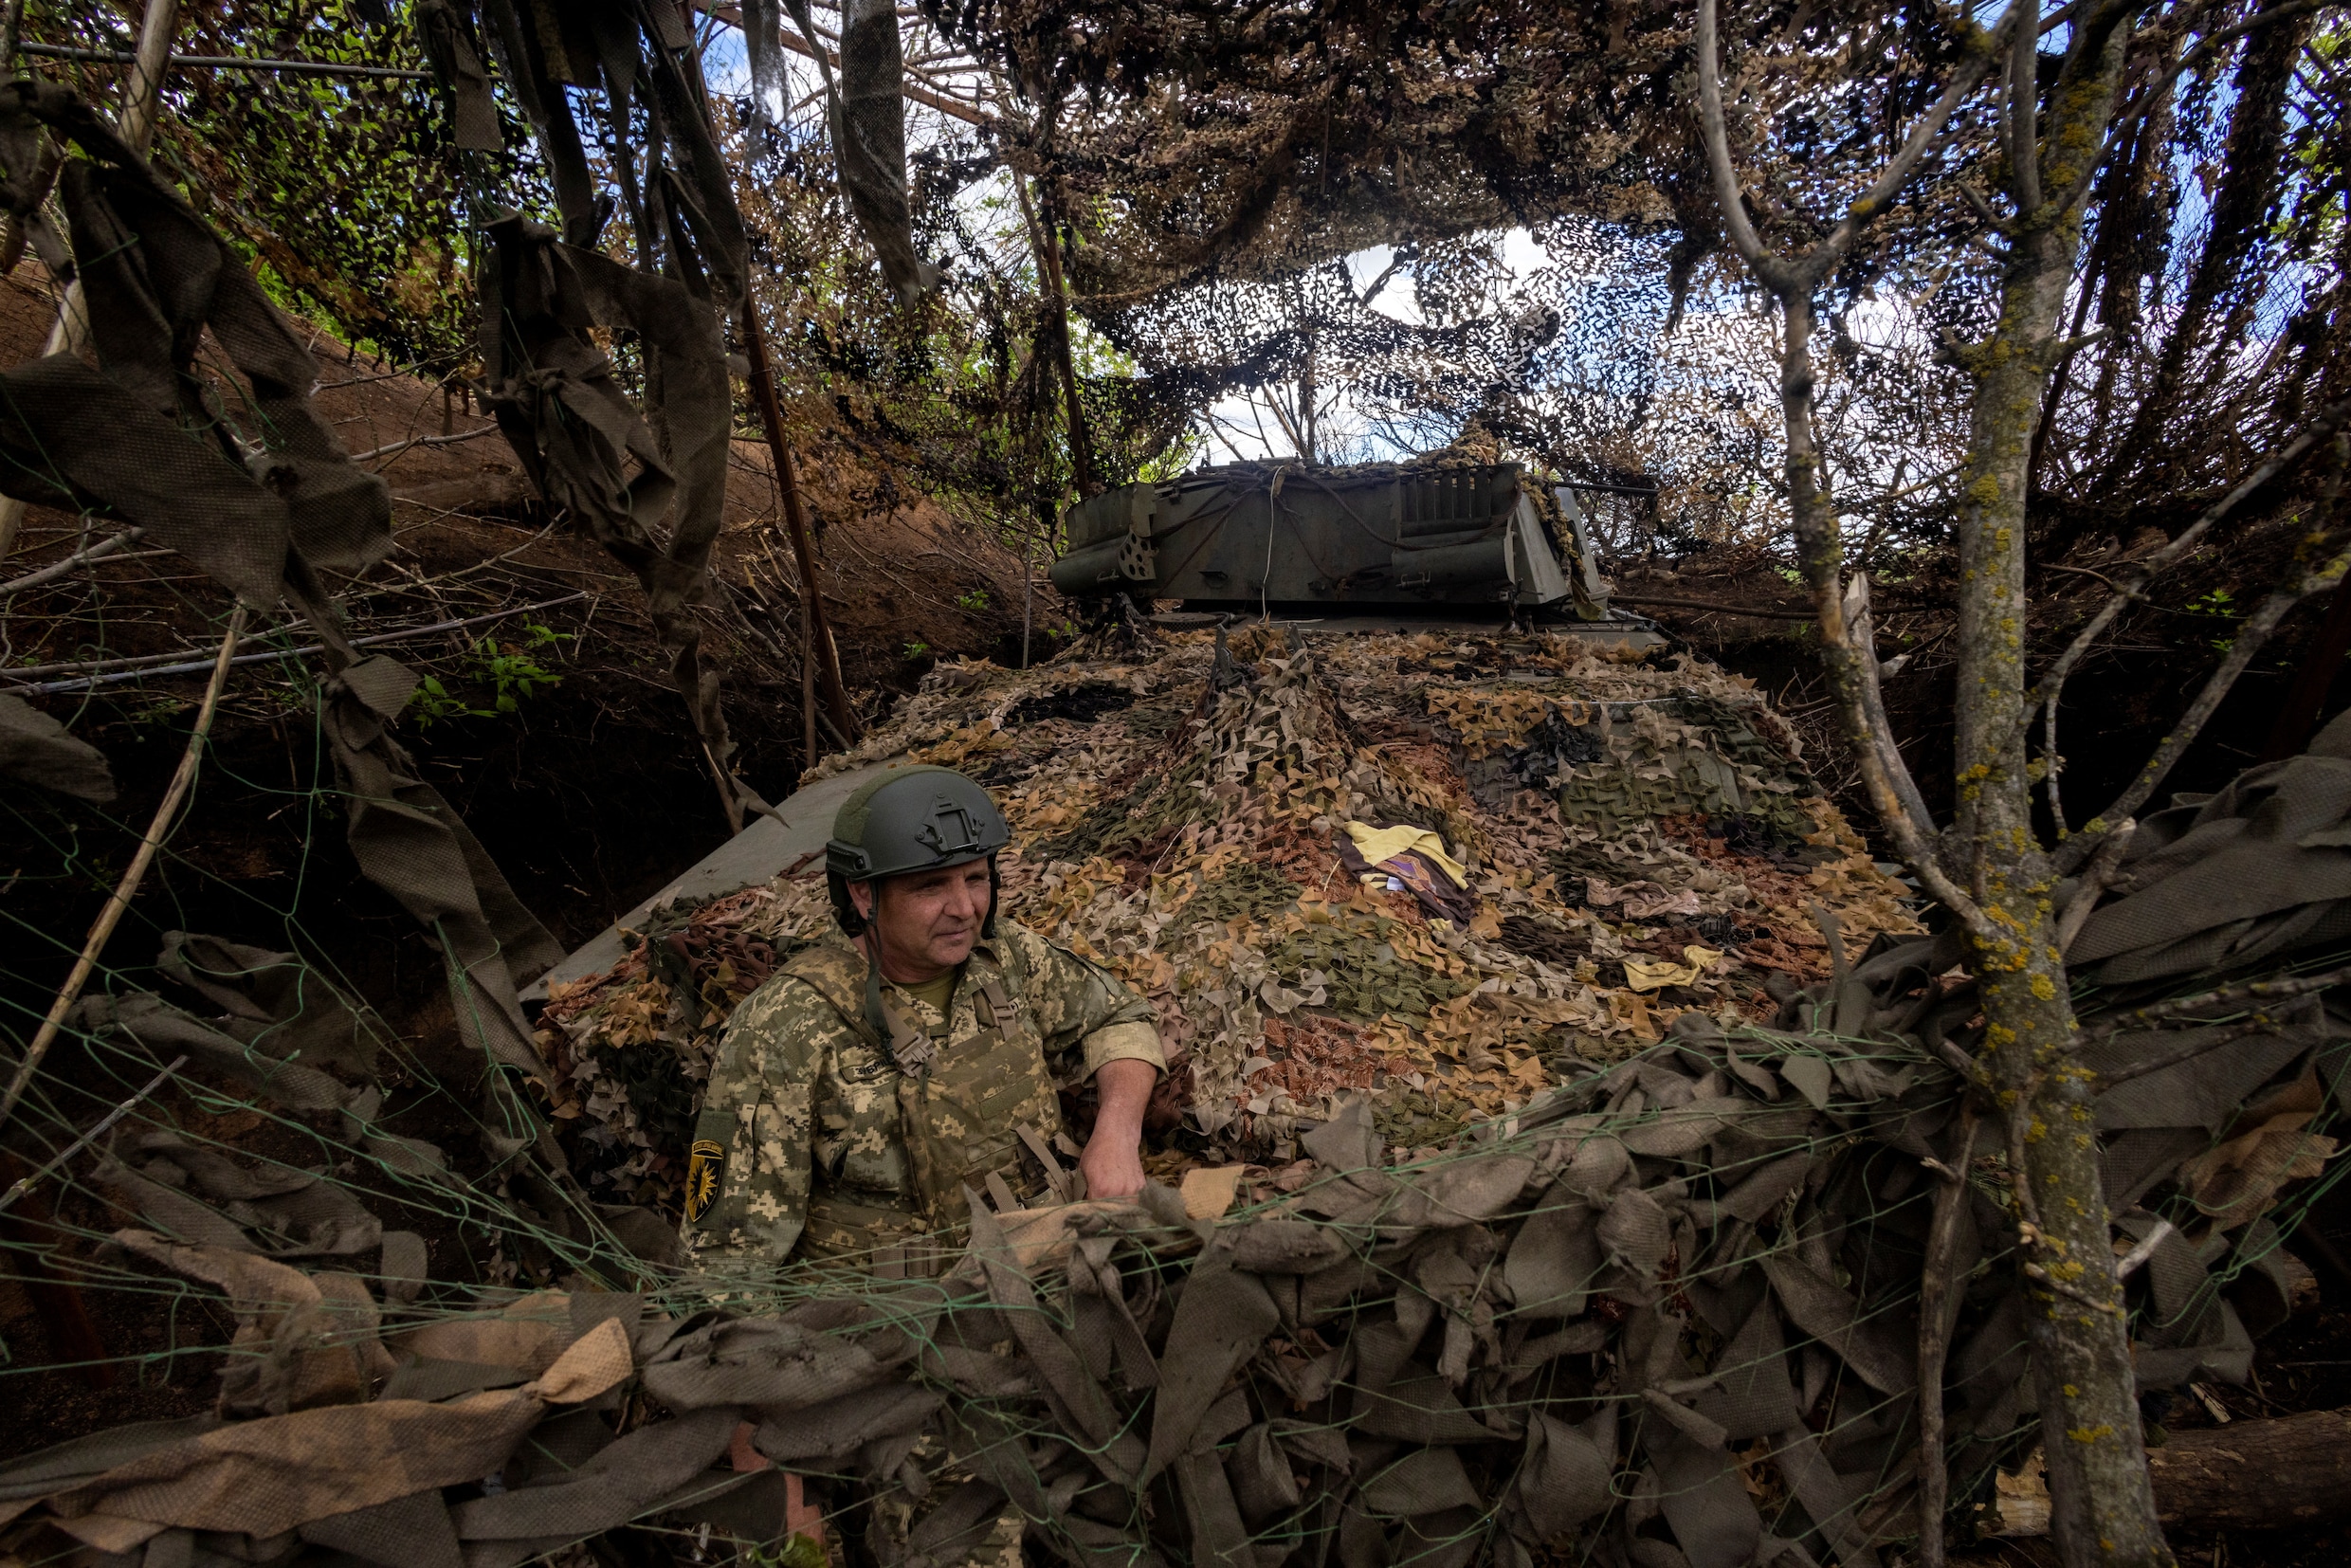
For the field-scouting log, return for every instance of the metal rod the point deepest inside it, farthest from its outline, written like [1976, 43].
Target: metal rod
[47, 689]
[1650, 490]
[227, 63]
[27, 1185]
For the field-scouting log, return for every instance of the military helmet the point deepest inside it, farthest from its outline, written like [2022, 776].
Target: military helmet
[920, 818]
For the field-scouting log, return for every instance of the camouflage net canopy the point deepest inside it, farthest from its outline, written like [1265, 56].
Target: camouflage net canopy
[1563, 848]
[1210, 163]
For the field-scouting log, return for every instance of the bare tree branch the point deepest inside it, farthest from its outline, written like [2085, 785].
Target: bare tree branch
[1935, 1315]
[1727, 194]
[2329, 419]
[2020, 127]
[1807, 270]
[2284, 990]
[2126, 123]
[2256, 630]
[118, 903]
[1851, 664]
[2189, 1052]
[2053, 765]
[1862, 632]
[111, 544]
[2095, 879]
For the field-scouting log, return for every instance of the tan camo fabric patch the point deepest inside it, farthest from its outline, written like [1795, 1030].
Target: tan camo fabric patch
[1639, 836]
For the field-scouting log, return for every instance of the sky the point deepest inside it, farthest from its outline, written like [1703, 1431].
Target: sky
[1233, 427]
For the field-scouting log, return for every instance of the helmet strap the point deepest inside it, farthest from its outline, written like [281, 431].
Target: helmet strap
[844, 913]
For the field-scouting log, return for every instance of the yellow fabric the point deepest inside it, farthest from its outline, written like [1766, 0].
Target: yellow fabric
[1382, 844]
[1656, 973]
[1209, 1191]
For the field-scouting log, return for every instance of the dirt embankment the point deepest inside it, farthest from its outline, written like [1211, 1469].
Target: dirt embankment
[588, 787]
[584, 783]
[1741, 609]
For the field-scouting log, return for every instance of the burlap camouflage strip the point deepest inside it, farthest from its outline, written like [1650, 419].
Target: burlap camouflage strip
[579, 438]
[542, 294]
[115, 441]
[36, 749]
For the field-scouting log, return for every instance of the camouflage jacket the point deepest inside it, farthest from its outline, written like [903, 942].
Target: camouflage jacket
[813, 1136]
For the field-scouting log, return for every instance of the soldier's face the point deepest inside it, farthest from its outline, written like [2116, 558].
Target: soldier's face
[927, 920]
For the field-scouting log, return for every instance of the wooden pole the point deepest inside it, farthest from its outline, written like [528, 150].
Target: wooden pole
[2256, 1475]
[119, 904]
[819, 637]
[142, 106]
[807, 696]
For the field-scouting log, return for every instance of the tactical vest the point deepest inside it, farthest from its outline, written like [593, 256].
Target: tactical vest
[893, 1203]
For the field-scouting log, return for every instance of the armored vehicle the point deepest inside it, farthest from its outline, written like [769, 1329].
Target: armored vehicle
[1432, 536]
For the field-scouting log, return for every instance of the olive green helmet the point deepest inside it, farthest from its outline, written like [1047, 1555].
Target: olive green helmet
[919, 818]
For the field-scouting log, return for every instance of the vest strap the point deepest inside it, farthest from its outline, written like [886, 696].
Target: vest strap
[912, 1049]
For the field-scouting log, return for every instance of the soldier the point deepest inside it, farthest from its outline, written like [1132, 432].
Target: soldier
[877, 1075]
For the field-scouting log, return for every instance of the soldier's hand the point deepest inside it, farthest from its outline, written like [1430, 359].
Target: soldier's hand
[1113, 1158]
[1110, 1172]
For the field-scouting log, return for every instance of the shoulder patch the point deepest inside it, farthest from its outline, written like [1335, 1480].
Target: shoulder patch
[705, 1172]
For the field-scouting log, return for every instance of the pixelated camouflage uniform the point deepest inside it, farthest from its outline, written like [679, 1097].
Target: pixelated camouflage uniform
[829, 1148]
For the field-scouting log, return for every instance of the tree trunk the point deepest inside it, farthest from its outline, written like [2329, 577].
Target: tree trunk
[2102, 1509]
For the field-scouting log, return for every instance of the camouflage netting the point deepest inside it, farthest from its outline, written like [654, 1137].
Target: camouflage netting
[1667, 1313]
[1631, 843]
[1662, 1297]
